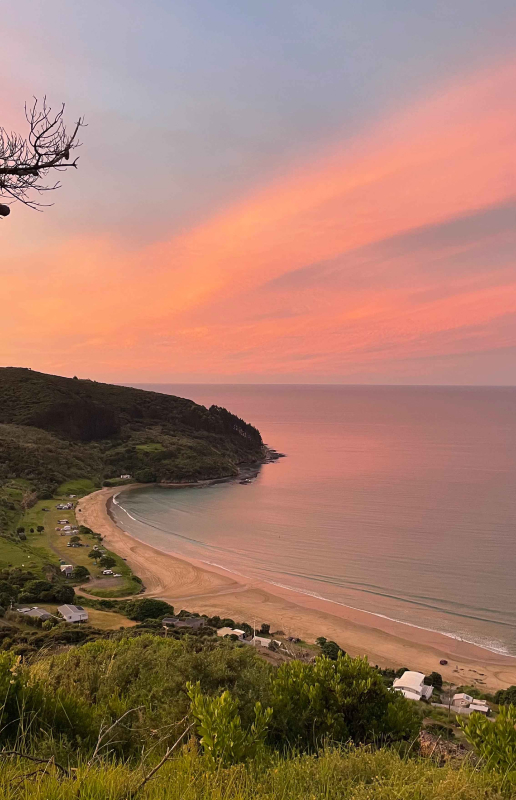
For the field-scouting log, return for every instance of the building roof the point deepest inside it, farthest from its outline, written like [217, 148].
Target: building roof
[262, 640]
[69, 609]
[413, 681]
[230, 632]
[410, 695]
[35, 612]
[462, 696]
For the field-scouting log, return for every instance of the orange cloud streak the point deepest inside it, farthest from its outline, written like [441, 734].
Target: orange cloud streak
[448, 155]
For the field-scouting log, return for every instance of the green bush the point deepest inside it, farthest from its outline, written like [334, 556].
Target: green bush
[331, 650]
[218, 725]
[435, 679]
[504, 697]
[495, 741]
[43, 591]
[150, 673]
[343, 700]
[80, 573]
[148, 608]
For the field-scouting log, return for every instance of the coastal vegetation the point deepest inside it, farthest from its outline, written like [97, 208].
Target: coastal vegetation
[125, 707]
[136, 714]
[53, 430]
[62, 438]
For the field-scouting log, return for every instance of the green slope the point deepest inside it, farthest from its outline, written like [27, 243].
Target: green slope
[54, 429]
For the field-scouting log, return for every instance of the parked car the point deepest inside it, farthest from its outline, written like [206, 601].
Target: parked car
[107, 571]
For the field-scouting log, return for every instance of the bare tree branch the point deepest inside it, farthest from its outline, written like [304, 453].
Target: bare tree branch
[158, 766]
[47, 761]
[104, 733]
[26, 162]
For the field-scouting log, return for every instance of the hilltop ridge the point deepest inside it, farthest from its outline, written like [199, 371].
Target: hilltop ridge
[53, 429]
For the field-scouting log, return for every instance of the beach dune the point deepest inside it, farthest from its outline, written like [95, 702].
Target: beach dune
[211, 590]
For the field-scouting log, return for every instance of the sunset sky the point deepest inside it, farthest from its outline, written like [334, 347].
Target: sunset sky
[300, 191]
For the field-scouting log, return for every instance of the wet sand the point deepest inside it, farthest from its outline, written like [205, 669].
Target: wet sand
[210, 590]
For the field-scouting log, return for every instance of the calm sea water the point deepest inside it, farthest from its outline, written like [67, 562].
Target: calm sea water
[400, 501]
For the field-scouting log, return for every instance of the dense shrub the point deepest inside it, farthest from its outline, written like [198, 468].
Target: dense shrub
[150, 673]
[495, 741]
[506, 697]
[343, 700]
[148, 608]
[46, 592]
[223, 738]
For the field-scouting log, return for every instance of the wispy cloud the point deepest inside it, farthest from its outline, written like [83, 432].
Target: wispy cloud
[396, 246]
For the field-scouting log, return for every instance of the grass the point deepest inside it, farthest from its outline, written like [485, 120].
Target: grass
[79, 487]
[20, 554]
[333, 775]
[150, 447]
[50, 546]
[103, 620]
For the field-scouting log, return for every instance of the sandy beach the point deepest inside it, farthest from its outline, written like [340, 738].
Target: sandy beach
[210, 590]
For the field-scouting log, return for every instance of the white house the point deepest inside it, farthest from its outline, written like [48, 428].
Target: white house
[462, 699]
[73, 613]
[66, 569]
[231, 632]
[262, 641]
[479, 705]
[412, 686]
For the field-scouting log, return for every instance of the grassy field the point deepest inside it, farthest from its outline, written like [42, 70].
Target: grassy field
[51, 545]
[335, 775]
[103, 620]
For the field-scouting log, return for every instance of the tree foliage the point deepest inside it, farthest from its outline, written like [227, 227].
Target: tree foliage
[223, 738]
[495, 741]
[506, 697]
[342, 700]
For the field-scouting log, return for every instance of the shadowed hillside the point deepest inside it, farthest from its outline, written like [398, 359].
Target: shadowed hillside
[53, 429]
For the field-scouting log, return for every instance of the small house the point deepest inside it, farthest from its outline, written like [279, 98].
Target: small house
[124, 477]
[412, 686]
[479, 705]
[462, 700]
[73, 613]
[262, 641]
[66, 569]
[38, 613]
[231, 632]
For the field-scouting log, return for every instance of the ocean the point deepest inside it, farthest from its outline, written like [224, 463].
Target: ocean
[399, 501]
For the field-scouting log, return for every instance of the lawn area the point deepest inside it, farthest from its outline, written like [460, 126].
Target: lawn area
[151, 447]
[79, 487]
[51, 545]
[14, 554]
[104, 620]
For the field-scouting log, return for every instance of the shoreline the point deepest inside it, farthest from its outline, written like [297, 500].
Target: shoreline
[211, 589]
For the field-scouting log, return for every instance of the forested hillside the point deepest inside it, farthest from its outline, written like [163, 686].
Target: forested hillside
[53, 429]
